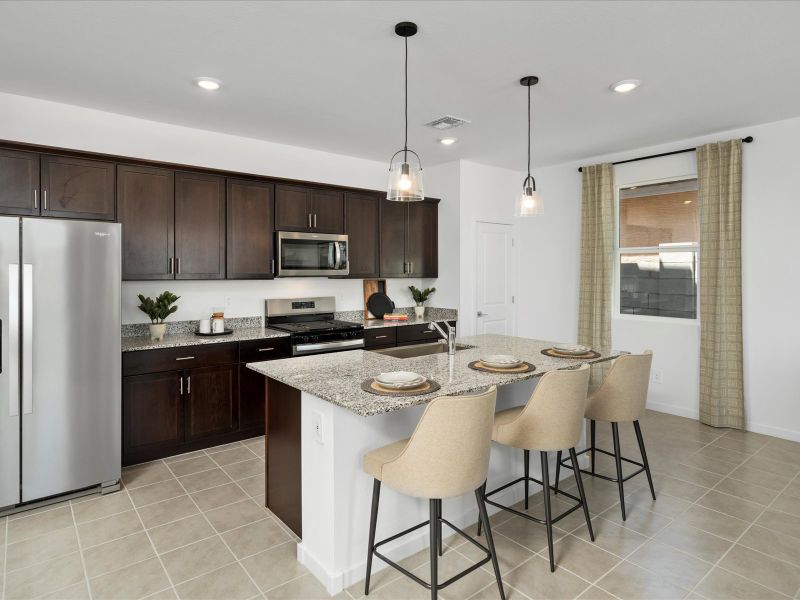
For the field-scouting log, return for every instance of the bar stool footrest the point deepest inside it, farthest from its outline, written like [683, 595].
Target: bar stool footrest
[529, 516]
[420, 581]
[567, 464]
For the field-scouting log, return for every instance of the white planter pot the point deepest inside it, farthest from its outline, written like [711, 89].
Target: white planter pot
[157, 331]
[419, 311]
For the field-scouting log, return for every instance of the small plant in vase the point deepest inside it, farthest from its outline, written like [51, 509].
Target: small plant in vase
[158, 310]
[420, 297]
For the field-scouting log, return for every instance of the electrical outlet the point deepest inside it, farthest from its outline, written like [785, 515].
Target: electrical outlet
[658, 376]
[227, 301]
[317, 424]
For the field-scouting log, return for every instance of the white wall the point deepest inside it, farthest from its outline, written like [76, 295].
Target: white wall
[31, 120]
[771, 286]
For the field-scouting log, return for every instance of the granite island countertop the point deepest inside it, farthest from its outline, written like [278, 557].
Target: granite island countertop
[337, 377]
[175, 340]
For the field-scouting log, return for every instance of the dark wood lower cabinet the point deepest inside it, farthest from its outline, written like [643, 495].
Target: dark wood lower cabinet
[284, 490]
[152, 416]
[177, 400]
[212, 406]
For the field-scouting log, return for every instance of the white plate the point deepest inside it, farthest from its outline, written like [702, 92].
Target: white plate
[571, 348]
[399, 378]
[501, 361]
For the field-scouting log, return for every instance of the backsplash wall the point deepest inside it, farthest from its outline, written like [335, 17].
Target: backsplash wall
[246, 298]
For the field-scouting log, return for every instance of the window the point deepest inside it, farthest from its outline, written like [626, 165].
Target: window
[659, 234]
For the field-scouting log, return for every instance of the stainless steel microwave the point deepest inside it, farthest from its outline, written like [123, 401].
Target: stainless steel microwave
[312, 255]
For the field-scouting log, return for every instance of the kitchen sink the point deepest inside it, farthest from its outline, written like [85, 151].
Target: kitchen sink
[420, 350]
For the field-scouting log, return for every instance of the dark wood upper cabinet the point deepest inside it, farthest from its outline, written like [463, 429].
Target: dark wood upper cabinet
[251, 224]
[19, 182]
[292, 208]
[199, 226]
[422, 239]
[146, 207]
[301, 208]
[77, 188]
[212, 406]
[362, 226]
[394, 222]
[327, 211]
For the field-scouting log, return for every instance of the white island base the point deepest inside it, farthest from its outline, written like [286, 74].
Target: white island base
[337, 494]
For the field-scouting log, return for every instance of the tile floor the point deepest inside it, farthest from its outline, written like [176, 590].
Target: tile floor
[726, 525]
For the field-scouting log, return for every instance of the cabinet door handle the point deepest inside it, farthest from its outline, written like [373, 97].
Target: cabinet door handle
[309, 220]
[265, 349]
[380, 337]
[181, 380]
[411, 267]
[171, 265]
[273, 266]
[405, 267]
[35, 198]
[315, 220]
[177, 265]
[44, 192]
[188, 384]
[185, 358]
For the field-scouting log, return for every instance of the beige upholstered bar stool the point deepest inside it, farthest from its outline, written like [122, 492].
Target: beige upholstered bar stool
[621, 398]
[446, 456]
[552, 420]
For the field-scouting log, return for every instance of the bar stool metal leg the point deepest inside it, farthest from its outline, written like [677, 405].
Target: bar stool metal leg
[441, 550]
[434, 543]
[618, 461]
[527, 458]
[373, 520]
[643, 452]
[574, 458]
[591, 442]
[548, 517]
[483, 517]
[558, 472]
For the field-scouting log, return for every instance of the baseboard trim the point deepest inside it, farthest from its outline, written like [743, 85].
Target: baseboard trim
[785, 434]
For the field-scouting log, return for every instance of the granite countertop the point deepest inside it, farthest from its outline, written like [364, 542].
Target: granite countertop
[174, 340]
[431, 314]
[337, 377]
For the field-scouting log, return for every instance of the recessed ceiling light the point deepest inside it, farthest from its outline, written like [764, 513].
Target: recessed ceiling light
[448, 141]
[625, 86]
[207, 83]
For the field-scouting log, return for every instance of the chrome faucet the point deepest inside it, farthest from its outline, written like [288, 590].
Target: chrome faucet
[450, 336]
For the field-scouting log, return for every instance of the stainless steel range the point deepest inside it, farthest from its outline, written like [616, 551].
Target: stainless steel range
[312, 326]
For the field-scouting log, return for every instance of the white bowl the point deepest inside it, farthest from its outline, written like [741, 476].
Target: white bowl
[400, 379]
[571, 348]
[501, 361]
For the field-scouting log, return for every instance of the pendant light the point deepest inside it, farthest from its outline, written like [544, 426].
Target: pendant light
[529, 203]
[405, 178]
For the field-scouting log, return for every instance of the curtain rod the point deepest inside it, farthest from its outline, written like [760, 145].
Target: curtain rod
[745, 140]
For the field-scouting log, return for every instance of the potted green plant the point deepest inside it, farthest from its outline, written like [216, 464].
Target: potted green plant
[158, 310]
[420, 297]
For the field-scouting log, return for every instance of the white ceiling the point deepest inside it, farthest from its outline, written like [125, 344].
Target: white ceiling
[328, 75]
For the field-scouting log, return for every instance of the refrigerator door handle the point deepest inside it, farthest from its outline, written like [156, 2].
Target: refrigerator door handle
[27, 339]
[13, 340]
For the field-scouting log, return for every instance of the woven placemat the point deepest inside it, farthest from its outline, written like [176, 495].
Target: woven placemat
[373, 387]
[525, 367]
[552, 352]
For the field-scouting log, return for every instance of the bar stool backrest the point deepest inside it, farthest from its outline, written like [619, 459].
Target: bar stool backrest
[553, 417]
[448, 453]
[622, 395]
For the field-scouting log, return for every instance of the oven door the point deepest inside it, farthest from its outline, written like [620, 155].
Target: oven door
[312, 255]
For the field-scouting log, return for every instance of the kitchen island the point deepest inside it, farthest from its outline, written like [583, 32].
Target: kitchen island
[321, 423]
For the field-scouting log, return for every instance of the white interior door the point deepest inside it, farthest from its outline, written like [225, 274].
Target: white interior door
[495, 268]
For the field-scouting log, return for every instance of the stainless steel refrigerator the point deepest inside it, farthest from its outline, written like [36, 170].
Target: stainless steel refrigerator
[60, 398]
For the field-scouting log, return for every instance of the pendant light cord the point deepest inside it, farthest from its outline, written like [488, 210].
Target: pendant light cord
[405, 140]
[529, 131]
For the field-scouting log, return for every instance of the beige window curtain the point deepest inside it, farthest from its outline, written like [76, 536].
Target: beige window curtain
[597, 262]
[719, 174]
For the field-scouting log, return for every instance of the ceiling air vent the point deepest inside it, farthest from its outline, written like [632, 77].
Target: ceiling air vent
[446, 122]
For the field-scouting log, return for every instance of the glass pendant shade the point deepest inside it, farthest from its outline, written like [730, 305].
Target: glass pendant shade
[530, 202]
[405, 179]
